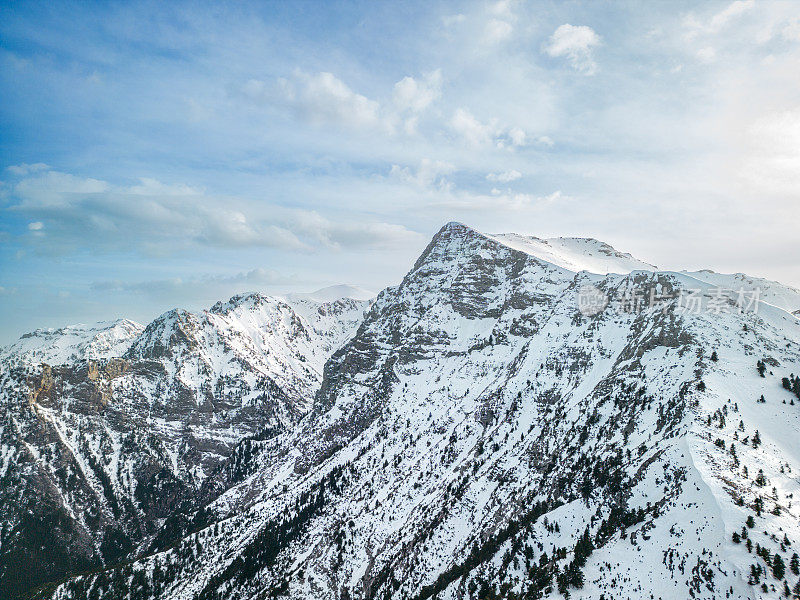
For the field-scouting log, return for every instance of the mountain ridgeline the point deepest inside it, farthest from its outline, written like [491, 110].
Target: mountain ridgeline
[518, 418]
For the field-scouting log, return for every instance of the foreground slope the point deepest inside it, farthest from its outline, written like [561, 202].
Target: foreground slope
[111, 437]
[481, 437]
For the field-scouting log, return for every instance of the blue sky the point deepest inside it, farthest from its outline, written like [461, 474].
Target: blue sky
[155, 155]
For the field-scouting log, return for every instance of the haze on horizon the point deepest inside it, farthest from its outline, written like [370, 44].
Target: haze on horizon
[154, 156]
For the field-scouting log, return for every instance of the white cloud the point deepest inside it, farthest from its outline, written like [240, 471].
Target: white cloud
[159, 218]
[707, 54]
[450, 20]
[733, 10]
[718, 21]
[497, 200]
[53, 189]
[779, 132]
[499, 22]
[773, 160]
[502, 8]
[319, 98]
[323, 98]
[468, 127]
[193, 285]
[25, 169]
[442, 194]
[150, 187]
[415, 95]
[505, 176]
[791, 31]
[577, 44]
[497, 30]
[411, 97]
[475, 133]
[430, 173]
[352, 234]
[517, 136]
[232, 228]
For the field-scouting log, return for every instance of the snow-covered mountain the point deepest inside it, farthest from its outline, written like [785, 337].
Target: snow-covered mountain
[73, 343]
[518, 418]
[112, 435]
[335, 292]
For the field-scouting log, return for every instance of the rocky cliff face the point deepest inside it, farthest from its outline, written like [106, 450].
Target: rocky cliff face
[502, 424]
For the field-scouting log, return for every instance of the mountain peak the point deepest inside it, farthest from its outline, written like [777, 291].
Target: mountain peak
[456, 228]
[574, 254]
[335, 292]
[450, 233]
[74, 342]
[248, 300]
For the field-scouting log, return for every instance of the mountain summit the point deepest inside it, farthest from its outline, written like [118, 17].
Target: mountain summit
[572, 254]
[517, 418]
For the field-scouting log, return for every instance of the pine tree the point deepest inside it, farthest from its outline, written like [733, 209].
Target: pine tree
[755, 574]
[761, 480]
[575, 575]
[758, 503]
[778, 566]
[561, 582]
[714, 356]
[583, 548]
[794, 564]
[756, 439]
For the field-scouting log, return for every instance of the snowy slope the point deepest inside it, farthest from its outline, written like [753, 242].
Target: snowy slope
[772, 292]
[480, 437]
[575, 254]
